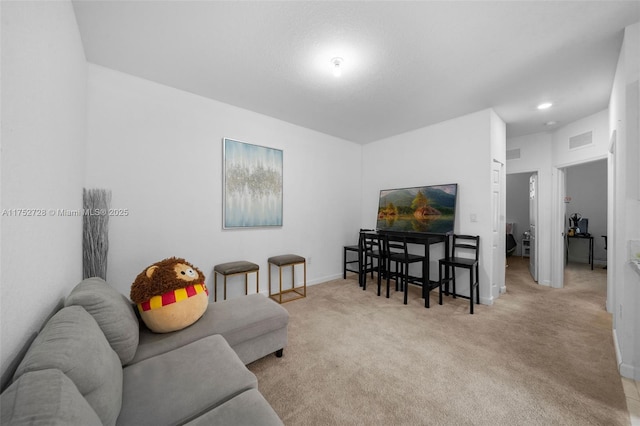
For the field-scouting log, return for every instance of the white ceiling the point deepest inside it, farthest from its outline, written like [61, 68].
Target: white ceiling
[406, 65]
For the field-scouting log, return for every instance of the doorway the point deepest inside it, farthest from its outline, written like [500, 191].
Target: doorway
[591, 188]
[586, 199]
[521, 214]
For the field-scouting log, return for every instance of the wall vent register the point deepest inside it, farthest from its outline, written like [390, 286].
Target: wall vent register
[581, 140]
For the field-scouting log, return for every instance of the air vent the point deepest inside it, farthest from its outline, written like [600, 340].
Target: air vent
[581, 140]
[513, 154]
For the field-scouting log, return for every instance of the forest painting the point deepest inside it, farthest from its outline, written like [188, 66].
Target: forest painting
[430, 209]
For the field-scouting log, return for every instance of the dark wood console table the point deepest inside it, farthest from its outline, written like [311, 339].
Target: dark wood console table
[581, 237]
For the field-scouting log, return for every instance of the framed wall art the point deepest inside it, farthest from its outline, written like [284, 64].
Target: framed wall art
[252, 185]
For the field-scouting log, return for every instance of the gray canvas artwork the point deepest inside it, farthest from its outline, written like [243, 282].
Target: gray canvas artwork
[252, 185]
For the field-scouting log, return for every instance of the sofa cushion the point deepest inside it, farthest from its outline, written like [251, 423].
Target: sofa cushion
[112, 311]
[182, 384]
[45, 397]
[73, 343]
[238, 320]
[248, 408]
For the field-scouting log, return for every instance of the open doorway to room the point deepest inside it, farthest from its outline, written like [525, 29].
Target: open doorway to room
[585, 187]
[585, 224]
[521, 220]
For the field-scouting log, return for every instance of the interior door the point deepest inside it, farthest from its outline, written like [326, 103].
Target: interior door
[533, 219]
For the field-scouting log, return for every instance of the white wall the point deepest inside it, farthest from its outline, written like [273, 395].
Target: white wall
[624, 190]
[43, 133]
[159, 150]
[598, 124]
[454, 151]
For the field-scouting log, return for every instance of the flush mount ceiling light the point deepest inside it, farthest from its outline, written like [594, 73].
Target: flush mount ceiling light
[337, 69]
[550, 123]
[545, 105]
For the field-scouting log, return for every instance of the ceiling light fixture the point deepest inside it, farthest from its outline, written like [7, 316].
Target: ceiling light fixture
[337, 63]
[545, 105]
[550, 123]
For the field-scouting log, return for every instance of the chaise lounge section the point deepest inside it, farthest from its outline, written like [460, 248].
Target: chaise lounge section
[94, 362]
[253, 325]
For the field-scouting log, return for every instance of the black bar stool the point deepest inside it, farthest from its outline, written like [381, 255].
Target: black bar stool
[468, 244]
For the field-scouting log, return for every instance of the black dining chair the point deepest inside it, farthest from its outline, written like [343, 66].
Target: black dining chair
[398, 253]
[372, 257]
[348, 259]
[469, 244]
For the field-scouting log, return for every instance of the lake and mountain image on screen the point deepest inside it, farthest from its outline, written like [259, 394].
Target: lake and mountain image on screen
[418, 209]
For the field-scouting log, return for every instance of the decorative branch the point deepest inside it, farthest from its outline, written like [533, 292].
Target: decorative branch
[95, 232]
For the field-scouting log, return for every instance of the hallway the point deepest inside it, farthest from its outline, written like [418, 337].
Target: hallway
[578, 277]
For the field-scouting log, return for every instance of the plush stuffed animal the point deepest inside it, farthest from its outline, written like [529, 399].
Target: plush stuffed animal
[170, 294]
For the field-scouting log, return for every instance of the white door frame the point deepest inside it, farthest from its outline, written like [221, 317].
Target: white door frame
[498, 230]
[558, 209]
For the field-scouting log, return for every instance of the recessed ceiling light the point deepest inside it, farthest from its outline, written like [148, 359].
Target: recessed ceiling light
[550, 123]
[337, 63]
[545, 105]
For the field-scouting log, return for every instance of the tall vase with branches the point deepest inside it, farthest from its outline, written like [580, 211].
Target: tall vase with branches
[95, 232]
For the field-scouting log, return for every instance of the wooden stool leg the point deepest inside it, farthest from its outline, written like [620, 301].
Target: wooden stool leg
[305, 279]
[246, 283]
[280, 276]
[225, 287]
[269, 280]
[293, 276]
[257, 282]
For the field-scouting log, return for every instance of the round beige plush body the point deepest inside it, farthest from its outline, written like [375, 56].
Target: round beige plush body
[170, 294]
[176, 316]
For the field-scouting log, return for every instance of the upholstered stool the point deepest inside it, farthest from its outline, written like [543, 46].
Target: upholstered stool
[288, 260]
[234, 268]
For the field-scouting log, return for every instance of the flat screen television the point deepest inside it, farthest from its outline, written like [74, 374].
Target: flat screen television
[429, 209]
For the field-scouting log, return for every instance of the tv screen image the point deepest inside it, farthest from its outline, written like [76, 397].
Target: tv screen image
[430, 209]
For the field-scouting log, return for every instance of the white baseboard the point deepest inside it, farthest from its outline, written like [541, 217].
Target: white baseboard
[625, 370]
[616, 346]
[309, 283]
[486, 300]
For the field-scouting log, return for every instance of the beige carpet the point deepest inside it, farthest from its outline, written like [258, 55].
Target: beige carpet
[538, 356]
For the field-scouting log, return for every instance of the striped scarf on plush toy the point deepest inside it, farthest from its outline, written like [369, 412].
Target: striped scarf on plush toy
[172, 296]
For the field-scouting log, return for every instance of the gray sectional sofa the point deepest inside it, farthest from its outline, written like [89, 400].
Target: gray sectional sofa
[95, 363]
